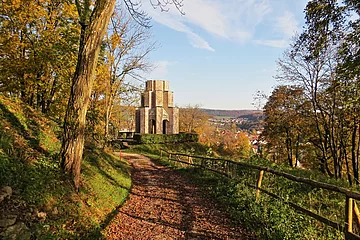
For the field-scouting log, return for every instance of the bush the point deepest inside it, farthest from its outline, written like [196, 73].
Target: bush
[166, 138]
[268, 218]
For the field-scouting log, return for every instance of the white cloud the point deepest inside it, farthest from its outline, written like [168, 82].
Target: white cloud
[235, 20]
[197, 42]
[207, 15]
[285, 27]
[287, 24]
[174, 20]
[160, 70]
[273, 43]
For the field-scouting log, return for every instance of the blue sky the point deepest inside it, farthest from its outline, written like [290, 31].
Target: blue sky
[222, 51]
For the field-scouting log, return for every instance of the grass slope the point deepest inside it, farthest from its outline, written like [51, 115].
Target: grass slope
[29, 163]
[268, 218]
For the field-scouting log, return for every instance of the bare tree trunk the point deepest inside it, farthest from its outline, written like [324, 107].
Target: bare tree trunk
[297, 150]
[107, 121]
[49, 101]
[289, 148]
[109, 106]
[353, 153]
[82, 82]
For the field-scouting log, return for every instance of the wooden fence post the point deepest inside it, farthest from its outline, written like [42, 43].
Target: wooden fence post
[227, 170]
[258, 185]
[234, 171]
[349, 215]
[231, 170]
[177, 158]
[190, 161]
[357, 214]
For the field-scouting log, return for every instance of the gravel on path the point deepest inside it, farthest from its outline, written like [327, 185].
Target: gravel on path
[163, 204]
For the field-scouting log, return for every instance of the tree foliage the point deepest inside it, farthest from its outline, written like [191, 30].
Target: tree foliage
[192, 119]
[228, 141]
[319, 73]
[285, 124]
[48, 55]
[38, 52]
[93, 17]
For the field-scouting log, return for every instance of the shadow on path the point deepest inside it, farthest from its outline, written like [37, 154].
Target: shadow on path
[163, 204]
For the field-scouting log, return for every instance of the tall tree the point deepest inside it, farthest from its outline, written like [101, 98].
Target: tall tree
[93, 20]
[349, 88]
[310, 63]
[324, 62]
[38, 51]
[94, 17]
[127, 45]
[192, 119]
[284, 123]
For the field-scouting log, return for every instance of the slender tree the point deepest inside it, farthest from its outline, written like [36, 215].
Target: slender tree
[127, 45]
[93, 20]
[324, 62]
[283, 123]
[94, 17]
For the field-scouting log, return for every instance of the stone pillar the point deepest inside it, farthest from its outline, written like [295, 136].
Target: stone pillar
[174, 121]
[144, 119]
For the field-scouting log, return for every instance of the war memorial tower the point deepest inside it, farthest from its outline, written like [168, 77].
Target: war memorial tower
[157, 114]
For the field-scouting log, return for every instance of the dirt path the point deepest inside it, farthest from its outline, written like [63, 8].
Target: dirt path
[165, 205]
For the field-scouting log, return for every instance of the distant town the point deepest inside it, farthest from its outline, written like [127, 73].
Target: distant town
[234, 122]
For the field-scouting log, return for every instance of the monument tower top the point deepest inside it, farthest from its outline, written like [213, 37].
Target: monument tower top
[157, 114]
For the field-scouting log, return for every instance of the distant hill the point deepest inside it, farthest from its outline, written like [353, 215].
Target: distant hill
[233, 113]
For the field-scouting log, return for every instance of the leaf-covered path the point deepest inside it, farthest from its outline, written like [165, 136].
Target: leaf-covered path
[163, 204]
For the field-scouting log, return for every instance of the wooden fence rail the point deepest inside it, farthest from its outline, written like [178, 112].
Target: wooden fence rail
[228, 168]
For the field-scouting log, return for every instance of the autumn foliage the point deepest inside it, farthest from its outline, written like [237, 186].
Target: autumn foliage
[228, 141]
[312, 117]
[38, 52]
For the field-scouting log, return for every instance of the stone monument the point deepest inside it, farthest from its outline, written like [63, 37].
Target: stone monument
[157, 114]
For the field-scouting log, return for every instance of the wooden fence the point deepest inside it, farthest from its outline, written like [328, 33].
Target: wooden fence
[229, 168]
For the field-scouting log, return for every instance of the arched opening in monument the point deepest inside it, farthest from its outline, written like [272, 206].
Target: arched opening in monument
[165, 126]
[152, 126]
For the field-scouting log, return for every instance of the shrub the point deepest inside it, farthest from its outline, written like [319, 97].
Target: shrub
[166, 138]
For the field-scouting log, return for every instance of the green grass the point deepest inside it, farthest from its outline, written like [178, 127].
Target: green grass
[29, 163]
[189, 148]
[84, 214]
[270, 218]
[107, 187]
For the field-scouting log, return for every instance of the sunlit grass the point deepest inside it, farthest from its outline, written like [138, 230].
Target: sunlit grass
[30, 164]
[269, 218]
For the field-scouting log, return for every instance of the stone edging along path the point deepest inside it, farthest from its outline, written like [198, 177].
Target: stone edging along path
[163, 204]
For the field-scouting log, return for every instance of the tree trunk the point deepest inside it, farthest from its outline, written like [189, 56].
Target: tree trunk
[297, 150]
[107, 121]
[289, 148]
[353, 152]
[109, 106]
[82, 82]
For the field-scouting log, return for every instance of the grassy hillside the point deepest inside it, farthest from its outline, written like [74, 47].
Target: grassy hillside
[43, 198]
[269, 218]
